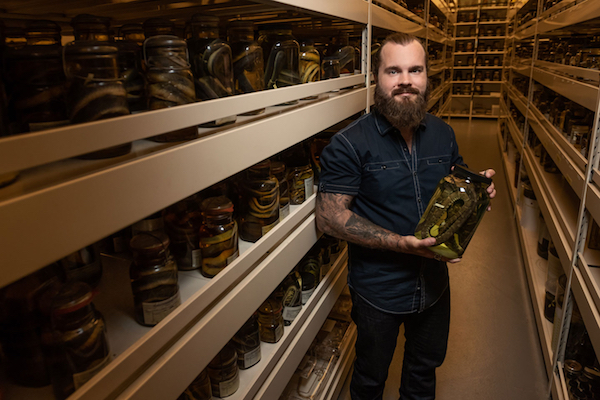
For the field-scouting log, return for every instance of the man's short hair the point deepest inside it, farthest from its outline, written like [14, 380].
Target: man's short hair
[400, 38]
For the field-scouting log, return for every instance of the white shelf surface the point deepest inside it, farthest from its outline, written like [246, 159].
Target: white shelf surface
[592, 75]
[588, 309]
[589, 267]
[581, 12]
[385, 19]
[580, 92]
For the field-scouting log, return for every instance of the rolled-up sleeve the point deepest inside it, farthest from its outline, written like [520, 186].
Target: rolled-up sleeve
[341, 167]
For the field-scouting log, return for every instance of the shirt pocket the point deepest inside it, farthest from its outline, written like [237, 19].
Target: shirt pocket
[441, 160]
[379, 178]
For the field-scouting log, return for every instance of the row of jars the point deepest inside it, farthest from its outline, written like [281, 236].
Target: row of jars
[151, 68]
[483, 31]
[479, 75]
[480, 61]
[576, 50]
[469, 46]
[485, 16]
[221, 376]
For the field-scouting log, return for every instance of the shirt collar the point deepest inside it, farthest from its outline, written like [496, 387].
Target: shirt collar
[384, 126]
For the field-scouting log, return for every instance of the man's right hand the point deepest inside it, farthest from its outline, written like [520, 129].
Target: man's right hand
[420, 247]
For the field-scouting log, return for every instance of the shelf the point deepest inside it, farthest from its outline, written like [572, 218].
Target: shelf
[489, 67]
[484, 116]
[526, 30]
[509, 172]
[488, 82]
[465, 23]
[586, 74]
[581, 12]
[402, 12]
[85, 212]
[490, 52]
[437, 94]
[499, 22]
[589, 267]
[464, 53]
[465, 38]
[592, 200]
[462, 67]
[588, 309]
[559, 384]
[385, 19]
[515, 133]
[581, 93]
[492, 38]
[486, 96]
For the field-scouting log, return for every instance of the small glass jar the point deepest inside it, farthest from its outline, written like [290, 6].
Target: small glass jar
[224, 373]
[169, 80]
[247, 343]
[543, 239]
[158, 26]
[260, 201]
[199, 389]
[290, 293]
[270, 320]
[182, 224]
[84, 265]
[312, 261]
[302, 181]
[345, 55]
[310, 62]
[218, 235]
[88, 27]
[95, 88]
[308, 286]
[282, 56]
[130, 63]
[153, 276]
[279, 171]
[330, 68]
[76, 341]
[248, 60]
[454, 211]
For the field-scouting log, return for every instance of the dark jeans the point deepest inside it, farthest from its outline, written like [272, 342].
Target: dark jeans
[426, 336]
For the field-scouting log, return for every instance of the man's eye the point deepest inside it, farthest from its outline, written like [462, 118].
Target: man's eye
[393, 72]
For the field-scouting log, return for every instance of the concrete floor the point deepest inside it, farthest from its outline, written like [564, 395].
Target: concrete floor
[494, 351]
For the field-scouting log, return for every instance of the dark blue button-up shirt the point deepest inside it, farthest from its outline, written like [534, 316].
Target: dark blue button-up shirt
[391, 186]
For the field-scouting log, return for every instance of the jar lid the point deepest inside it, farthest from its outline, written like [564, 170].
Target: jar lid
[263, 167]
[215, 206]
[70, 297]
[572, 366]
[149, 242]
[473, 176]
[164, 41]
[91, 48]
[277, 167]
[205, 20]
[226, 357]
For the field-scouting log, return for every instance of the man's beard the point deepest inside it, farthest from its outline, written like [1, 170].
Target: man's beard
[405, 112]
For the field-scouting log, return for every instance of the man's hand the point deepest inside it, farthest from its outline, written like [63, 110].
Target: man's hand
[412, 245]
[488, 173]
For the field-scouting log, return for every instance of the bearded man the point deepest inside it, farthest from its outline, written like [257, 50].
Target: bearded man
[377, 178]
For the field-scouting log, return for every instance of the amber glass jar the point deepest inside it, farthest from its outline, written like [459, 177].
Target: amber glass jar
[77, 346]
[130, 63]
[218, 235]
[199, 389]
[279, 171]
[302, 181]
[224, 373]
[153, 276]
[270, 320]
[260, 200]
[84, 265]
[310, 62]
[182, 224]
[290, 293]
[247, 343]
[311, 262]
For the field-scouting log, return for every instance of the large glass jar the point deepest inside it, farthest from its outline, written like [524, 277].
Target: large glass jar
[260, 201]
[281, 51]
[290, 293]
[454, 211]
[247, 343]
[95, 88]
[37, 98]
[310, 62]
[182, 224]
[153, 276]
[199, 389]
[88, 27]
[169, 80]
[77, 345]
[211, 60]
[84, 265]
[224, 373]
[330, 68]
[21, 321]
[248, 61]
[345, 54]
[270, 320]
[130, 62]
[218, 235]
[302, 181]
[158, 26]
[279, 171]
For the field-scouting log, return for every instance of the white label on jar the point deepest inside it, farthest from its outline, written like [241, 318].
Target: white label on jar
[80, 378]
[156, 312]
[252, 357]
[232, 257]
[306, 295]
[284, 211]
[554, 271]
[265, 229]
[290, 313]
[229, 387]
[196, 258]
[309, 187]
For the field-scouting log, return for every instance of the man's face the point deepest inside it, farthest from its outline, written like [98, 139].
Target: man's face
[401, 93]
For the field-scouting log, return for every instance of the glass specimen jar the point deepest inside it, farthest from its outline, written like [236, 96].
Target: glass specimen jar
[300, 175]
[260, 202]
[247, 343]
[37, 80]
[130, 64]
[218, 235]
[158, 26]
[555, 269]
[153, 222]
[21, 322]
[212, 62]
[310, 62]
[199, 389]
[84, 265]
[76, 342]
[169, 80]
[182, 224]
[543, 239]
[454, 211]
[153, 276]
[330, 68]
[530, 208]
[270, 320]
[224, 373]
[95, 88]
[308, 286]
[248, 60]
[279, 171]
[312, 261]
[282, 56]
[290, 293]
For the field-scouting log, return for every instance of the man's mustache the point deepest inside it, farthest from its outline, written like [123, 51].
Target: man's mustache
[403, 90]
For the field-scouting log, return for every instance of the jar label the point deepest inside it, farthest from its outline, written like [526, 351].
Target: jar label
[196, 258]
[229, 387]
[232, 257]
[284, 211]
[156, 312]
[290, 313]
[306, 295]
[309, 187]
[265, 229]
[252, 357]
[80, 378]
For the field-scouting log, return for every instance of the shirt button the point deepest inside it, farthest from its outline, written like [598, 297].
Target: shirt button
[419, 199]
[415, 173]
[383, 167]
